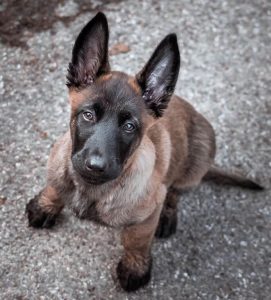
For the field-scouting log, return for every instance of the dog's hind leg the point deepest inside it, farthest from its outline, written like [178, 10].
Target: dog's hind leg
[168, 219]
[43, 209]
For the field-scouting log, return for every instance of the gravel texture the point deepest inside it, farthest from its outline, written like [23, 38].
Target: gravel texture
[222, 249]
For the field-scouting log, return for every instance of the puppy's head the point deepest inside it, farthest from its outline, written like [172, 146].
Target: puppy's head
[111, 111]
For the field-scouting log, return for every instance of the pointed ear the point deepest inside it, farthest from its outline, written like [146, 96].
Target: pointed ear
[158, 78]
[90, 53]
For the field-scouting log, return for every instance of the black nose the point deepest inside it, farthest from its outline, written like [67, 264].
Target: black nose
[95, 163]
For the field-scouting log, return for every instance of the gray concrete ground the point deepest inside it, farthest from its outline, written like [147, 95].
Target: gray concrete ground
[222, 249]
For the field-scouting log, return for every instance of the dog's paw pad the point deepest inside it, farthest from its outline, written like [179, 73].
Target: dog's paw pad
[129, 280]
[37, 217]
[167, 225]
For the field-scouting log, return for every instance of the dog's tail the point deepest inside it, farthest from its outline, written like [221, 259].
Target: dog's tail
[220, 176]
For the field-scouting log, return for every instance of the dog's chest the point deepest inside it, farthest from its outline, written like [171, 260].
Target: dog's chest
[115, 208]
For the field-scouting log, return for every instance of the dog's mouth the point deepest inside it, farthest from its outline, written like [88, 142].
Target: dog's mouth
[93, 180]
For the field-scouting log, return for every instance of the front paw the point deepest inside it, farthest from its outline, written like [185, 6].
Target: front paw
[36, 216]
[130, 279]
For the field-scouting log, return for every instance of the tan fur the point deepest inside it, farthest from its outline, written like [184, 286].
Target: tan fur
[77, 97]
[136, 240]
[105, 77]
[193, 141]
[134, 85]
[50, 201]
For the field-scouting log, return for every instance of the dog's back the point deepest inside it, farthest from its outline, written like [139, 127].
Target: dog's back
[191, 143]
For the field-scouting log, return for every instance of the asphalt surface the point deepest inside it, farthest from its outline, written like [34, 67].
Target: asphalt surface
[222, 249]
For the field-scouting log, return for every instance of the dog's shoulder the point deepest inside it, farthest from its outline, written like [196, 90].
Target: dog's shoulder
[58, 162]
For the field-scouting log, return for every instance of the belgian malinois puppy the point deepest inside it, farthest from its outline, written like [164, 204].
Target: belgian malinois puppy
[132, 145]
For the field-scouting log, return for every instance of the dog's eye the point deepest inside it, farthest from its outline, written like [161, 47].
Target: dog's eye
[129, 127]
[89, 116]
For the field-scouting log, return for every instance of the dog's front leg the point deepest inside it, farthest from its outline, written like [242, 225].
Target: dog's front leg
[43, 209]
[134, 269]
